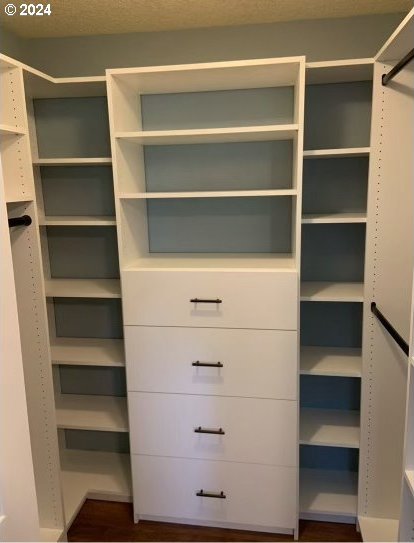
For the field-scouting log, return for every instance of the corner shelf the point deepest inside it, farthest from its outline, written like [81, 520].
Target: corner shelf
[95, 413]
[337, 153]
[334, 218]
[83, 288]
[211, 135]
[72, 161]
[331, 361]
[329, 428]
[88, 352]
[10, 130]
[328, 492]
[70, 220]
[315, 291]
[95, 475]
[209, 194]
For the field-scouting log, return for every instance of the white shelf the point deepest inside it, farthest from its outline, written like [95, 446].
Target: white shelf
[315, 291]
[77, 221]
[400, 42]
[378, 529]
[72, 161]
[211, 76]
[83, 288]
[88, 352]
[96, 475]
[211, 135]
[409, 477]
[216, 261]
[339, 71]
[337, 153]
[10, 130]
[209, 194]
[95, 413]
[329, 428]
[51, 534]
[328, 492]
[332, 361]
[334, 218]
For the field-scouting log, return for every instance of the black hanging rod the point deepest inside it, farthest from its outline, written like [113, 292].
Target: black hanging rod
[24, 220]
[386, 78]
[390, 328]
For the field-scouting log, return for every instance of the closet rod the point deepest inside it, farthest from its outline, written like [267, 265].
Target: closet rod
[386, 78]
[390, 328]
[24, 220]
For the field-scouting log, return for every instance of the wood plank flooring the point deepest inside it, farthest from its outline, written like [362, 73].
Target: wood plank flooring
[112, 521]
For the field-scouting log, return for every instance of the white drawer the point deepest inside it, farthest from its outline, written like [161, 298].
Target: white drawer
[255, 363]
[250, 430]
[257, 497]
[249, 299]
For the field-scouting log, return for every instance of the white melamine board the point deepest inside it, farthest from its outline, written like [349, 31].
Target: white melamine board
[409, 477]
[257, 299]
[210, 76]
[7, 130]
[258, 497]
[159, 359]
[100, 413]
[214, 261]
[82, 288]
[330, 218]
[210, 194]
[97, 475]
[400, 42]
[378, 529]
[328, 492]
[388, 276]
[246, 423]
[314, 291]
[72, 161]
[339, 71]
[63, 87]
[51, 534]
[337, 153]
[88, 351]
[331, 361]
[329, 427]
[211, 135]
[73, 220]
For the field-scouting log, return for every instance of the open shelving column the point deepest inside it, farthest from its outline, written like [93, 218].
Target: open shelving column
[26, 255]
[335, 178]
[74, 192]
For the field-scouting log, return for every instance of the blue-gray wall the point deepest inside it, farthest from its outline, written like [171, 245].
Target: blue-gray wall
[321, 39]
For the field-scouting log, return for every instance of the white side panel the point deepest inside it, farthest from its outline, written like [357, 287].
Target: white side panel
[389, 265]
[17, 485]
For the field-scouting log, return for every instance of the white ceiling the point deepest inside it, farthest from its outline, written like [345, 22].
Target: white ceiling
[92, 17]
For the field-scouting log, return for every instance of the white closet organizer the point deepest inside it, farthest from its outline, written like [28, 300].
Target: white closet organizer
[335, 182]
[208, 171]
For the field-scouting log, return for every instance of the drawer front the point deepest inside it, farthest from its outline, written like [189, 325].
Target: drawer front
[253, 363]
[264, 300]
[262, 496]
[214, 428]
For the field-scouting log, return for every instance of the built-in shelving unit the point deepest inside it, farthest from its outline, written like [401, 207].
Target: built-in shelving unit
[337, 149]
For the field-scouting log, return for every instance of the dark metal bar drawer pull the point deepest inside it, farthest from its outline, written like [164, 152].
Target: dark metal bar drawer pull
[201, 430]
[24, 220]
[204, 301]
[199, 364]
[219, 495]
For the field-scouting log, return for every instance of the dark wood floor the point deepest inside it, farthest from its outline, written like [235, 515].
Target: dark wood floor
[111, 521]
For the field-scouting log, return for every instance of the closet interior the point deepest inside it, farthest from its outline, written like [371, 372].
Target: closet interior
[195, 285]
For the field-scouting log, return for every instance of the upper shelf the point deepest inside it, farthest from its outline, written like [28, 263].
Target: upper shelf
[315, 291]
[209, 194]
[211, 76]
[88, 351]
[334, 218]
[329, 428]
[211, 135]
[70, 220]
[83, 288]
[400, 42]
[339, 71]
[72, 161]
[337, 153]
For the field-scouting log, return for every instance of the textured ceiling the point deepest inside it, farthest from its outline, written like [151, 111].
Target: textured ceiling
[91, 17]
